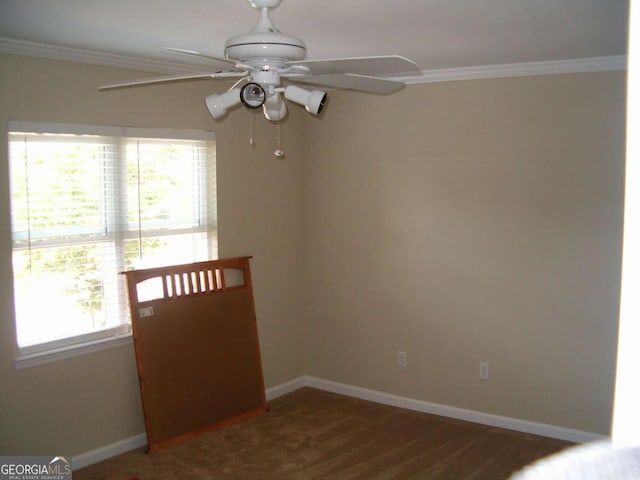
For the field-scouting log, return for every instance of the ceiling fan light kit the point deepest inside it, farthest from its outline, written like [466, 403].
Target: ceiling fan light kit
[313, 100]
[274, 108]
[265, 58]
[252, 95]
[219, 104]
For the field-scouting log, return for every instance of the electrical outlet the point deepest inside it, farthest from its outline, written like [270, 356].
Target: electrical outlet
[484, 370]
[402, 359]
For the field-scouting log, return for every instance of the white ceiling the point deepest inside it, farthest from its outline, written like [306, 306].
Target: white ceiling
[436, 34]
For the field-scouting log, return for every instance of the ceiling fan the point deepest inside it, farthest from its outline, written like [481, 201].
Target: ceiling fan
[264, 57]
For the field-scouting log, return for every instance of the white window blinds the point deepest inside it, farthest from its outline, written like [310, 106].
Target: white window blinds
[89, 202]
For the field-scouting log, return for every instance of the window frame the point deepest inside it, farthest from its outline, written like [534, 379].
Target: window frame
[119, 335]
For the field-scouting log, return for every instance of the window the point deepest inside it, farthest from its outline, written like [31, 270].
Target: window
[90, 202]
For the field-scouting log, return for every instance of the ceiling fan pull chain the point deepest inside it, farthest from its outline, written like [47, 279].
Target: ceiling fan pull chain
[279, 152]
[252, 130]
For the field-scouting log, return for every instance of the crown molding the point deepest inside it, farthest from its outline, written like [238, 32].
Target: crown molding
[79, 55]
[579, 65]
[53, 52]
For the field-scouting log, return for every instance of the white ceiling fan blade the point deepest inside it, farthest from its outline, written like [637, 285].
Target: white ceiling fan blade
[171, 78]
[349, 81]
[386, 65]
[193, 53]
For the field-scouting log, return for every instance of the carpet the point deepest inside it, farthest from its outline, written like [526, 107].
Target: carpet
[312, 434]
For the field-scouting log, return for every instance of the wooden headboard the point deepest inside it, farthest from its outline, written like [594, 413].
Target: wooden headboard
[197, 351]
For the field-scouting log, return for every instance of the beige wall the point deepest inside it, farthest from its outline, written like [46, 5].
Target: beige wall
[79, 404]
[461, 222]
[465, 222]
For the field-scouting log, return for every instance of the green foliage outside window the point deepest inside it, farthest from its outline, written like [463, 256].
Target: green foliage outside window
[67, 212]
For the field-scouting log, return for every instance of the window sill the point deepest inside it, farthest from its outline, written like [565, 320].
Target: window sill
[70, 351]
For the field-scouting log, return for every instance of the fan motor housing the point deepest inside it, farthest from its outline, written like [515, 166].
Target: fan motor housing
[265, 45]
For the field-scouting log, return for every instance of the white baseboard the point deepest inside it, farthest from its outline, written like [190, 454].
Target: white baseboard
[552, 431]
[509, 423]
[108, 451]
[284, 388]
